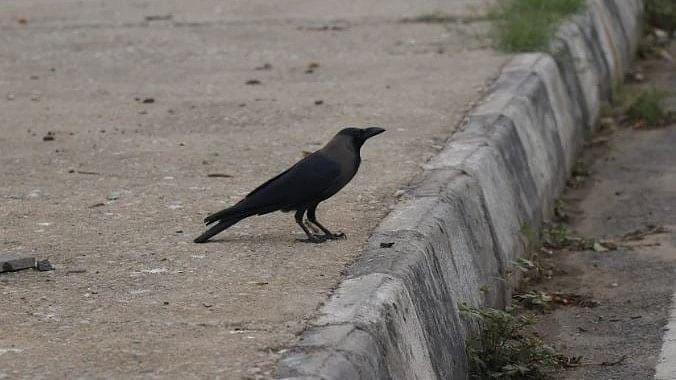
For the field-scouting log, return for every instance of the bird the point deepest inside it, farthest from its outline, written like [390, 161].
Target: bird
[310, 181]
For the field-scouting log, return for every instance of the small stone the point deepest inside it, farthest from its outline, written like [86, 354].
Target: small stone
[148, 101]
[10, 262]
[661, 37]
[253, 82]
[44, 266]
[266, 66]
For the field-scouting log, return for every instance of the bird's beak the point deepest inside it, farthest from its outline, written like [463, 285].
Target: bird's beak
[370, 132]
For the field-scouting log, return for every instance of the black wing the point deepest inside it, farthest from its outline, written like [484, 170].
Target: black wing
[303, 183]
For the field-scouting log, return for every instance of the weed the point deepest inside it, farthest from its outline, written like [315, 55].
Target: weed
[526, 25]
[529, 236]
[531, 268]
[533, 300]
[560, 211]
[555, 236]
[506, 348]
[648, 108]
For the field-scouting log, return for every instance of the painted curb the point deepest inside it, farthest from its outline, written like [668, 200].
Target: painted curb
[454, 236]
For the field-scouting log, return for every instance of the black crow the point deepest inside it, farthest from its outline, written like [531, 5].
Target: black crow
[302, 187]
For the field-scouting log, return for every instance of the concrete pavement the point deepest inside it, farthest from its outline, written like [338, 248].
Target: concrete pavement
[143, 100]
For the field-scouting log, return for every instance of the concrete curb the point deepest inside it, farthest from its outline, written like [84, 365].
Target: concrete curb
[456, 234]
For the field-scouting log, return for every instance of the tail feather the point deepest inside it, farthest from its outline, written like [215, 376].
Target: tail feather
[222, 225]
[230, 212]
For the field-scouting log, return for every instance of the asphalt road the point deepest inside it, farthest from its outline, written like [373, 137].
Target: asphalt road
[632, 187]
[114, 113]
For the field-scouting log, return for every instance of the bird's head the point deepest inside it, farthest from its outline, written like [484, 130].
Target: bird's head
[359, 135]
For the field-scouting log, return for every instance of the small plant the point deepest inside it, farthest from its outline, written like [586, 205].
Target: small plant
[526, 25]
[531, 268]
[647, 108]
[506, 348]
[530, 237]
[661, 14]
[560, 211]
[533, 300]
[555, 236]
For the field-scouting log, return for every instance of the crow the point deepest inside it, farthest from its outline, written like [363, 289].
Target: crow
[302, 187]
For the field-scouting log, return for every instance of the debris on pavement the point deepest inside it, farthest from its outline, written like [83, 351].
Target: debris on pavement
[266, 66]
[82, 172]
[311, 67]
[44, 266]
[159, 17]
[10, 262]
[259, 283]
[641, 233]
[615, 362]
[113, 196]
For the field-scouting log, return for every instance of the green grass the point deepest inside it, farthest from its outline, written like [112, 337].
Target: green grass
[647, 107]
[527, 25]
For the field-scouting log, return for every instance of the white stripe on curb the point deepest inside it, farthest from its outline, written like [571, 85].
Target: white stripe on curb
[666, 366]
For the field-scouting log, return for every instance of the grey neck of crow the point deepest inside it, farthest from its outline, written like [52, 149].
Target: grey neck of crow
[340, 144]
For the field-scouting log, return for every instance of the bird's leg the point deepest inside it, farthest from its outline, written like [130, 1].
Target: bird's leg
[327, 234]
[310, 237]
[312, 227]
